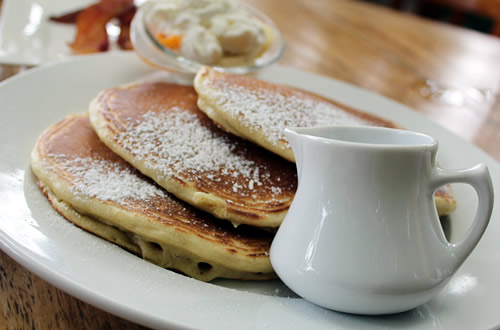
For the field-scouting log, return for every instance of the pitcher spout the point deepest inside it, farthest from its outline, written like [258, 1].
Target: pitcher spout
[295, 141]
[300, 139]
[292, 136]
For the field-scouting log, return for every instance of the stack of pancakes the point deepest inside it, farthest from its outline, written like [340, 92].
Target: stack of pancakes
[192, 179]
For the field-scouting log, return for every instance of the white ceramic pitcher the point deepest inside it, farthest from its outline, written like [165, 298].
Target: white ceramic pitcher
[362, 234]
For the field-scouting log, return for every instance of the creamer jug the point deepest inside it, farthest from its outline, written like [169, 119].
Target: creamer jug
[362, 234]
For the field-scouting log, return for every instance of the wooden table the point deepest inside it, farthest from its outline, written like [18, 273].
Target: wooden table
[450, 75]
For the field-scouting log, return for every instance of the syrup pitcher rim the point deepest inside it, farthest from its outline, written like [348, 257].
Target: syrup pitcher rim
[404, 139]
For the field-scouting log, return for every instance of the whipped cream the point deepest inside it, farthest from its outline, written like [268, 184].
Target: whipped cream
[210, 30]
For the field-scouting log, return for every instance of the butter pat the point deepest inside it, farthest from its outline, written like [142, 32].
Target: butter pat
[211, 29]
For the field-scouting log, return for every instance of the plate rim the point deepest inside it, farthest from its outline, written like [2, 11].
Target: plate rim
[22, 255]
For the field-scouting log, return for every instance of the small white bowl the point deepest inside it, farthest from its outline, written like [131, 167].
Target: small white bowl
[157, 55]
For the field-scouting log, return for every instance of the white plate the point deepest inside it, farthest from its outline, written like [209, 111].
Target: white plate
[27, 37]
[108, 277]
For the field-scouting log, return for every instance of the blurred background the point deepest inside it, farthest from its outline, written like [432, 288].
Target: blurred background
[479, 15]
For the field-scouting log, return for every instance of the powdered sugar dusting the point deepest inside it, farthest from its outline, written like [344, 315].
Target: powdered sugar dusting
[271, 112]
[106, 180]
[175, 143]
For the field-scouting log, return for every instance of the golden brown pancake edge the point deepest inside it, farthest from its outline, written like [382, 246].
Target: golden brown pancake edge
[163, 239]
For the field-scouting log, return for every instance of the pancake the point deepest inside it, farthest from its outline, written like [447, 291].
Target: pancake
[100, 192]
[259, 111]
[158, 128]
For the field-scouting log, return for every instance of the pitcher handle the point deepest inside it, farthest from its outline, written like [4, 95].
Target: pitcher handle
[479, 178]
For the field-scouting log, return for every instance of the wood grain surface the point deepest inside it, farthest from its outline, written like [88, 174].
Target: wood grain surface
[449, 74]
